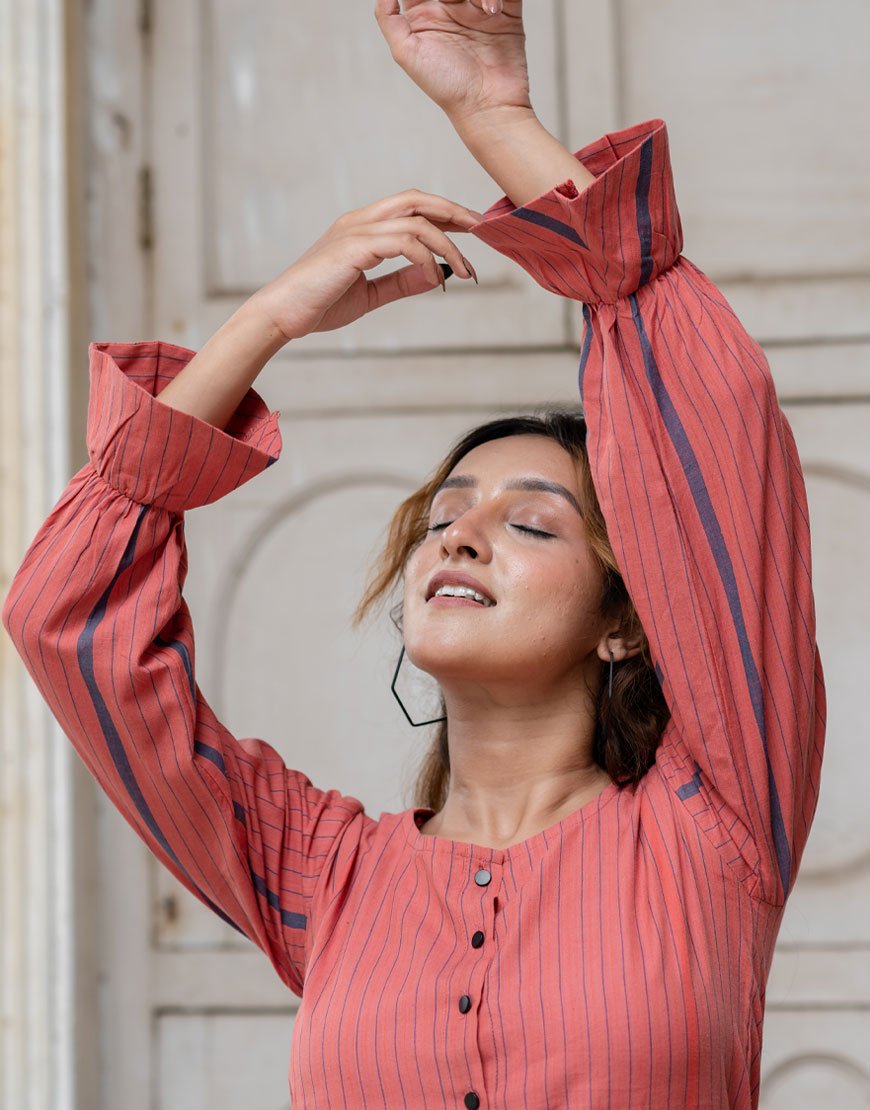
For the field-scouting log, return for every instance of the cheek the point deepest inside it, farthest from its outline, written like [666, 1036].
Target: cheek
[411, 573]
[414, 577]
[569, 583]
[561, 601]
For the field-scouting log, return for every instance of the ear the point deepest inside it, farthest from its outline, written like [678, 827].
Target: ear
[623, 645]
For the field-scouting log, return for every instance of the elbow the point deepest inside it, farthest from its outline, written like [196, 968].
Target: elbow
[35, 628]
[13, 616]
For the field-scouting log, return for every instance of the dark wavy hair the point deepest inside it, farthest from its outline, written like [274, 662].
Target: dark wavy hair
[629, 725]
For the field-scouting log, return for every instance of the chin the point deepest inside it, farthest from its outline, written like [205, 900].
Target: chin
[462, 658]
[446, 657]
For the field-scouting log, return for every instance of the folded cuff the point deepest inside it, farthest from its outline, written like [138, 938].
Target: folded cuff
[605, 241]
[156, 454]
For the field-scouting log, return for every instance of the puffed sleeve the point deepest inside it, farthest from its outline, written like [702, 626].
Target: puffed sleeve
[699, 480]
[97, 614]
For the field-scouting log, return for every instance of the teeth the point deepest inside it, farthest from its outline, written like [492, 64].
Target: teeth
[462, 591]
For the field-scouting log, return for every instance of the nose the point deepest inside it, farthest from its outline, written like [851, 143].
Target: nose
[467, 534]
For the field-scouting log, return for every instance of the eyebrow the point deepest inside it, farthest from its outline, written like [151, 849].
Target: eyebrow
[534, 485]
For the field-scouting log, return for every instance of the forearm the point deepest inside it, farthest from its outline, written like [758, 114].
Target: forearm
[519, 154]
[216, 379]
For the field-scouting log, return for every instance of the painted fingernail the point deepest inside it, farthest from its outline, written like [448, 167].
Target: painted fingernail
[470, 269]
[446, 271]
[492, 6]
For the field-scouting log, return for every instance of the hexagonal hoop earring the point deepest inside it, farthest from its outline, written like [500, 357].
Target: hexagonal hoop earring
[416, 724]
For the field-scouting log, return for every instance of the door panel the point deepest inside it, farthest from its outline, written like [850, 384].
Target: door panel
[267, 126]
[771, 156]
[777, 188]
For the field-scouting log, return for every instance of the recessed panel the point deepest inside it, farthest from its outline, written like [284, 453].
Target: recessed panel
[840, 520]
[271, 121]
[223, 1061]
[291, 670]
[830, 904]
[815, 1058]
[771, 154]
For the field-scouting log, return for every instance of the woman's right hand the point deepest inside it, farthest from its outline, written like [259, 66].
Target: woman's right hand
[327, 287]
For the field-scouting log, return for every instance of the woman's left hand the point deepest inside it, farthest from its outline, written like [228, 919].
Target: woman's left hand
[466, 59]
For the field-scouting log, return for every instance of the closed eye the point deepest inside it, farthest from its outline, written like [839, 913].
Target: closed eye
[519, 527]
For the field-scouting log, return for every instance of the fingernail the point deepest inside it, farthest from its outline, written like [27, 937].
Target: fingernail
[446, 272]
[492, 6]
[471, 269]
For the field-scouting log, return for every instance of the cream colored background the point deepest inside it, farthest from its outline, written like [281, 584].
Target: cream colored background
[250, 125]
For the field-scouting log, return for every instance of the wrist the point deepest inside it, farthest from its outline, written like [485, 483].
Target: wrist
[519, 153]
[492, 122]
[256, 328]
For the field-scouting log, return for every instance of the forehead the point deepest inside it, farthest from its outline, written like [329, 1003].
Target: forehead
[500, 460]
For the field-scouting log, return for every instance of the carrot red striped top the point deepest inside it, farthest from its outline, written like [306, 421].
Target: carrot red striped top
[616, 959]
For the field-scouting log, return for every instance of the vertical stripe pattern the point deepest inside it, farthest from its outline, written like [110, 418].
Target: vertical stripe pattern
[616, 959]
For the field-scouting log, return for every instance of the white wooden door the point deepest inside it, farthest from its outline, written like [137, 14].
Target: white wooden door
[261, 122]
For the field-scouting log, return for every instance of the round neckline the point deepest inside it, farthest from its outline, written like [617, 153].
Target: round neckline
[529, 846]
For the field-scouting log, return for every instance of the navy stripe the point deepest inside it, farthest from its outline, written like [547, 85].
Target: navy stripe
[691, 787]
[587, 346]
[551, 223]
[644, 224]
[184, 655]
[701, 496]
[294, 920]
[216, 757]
[85, 655]
[210, 753]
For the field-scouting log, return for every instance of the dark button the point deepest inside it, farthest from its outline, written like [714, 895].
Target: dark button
[472, 1101]
[478, 939]
[482, 878]
[464, 1004]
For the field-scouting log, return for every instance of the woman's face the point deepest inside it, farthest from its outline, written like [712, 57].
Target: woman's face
[485, 521]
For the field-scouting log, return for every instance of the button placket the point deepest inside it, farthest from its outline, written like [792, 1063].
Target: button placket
[483, 879]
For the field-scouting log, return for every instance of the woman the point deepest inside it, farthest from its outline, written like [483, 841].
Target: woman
[582, 912]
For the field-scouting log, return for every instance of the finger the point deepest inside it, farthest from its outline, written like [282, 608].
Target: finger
[406, 282]
[404, 244]
[414, 202]
[394, 26]
[495, 7]
[431, 236]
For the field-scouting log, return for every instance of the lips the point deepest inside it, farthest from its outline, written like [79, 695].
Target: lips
[455, 578]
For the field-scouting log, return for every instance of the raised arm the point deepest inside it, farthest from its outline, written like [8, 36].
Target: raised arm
[693, 461]
[97, 614]
[699, 480]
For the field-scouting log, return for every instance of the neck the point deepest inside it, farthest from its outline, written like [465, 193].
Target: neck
[516, 769]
